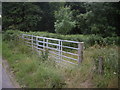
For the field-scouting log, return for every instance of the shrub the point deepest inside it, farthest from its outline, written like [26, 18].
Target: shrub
[64, 22]
[89, 40]
[11, 35]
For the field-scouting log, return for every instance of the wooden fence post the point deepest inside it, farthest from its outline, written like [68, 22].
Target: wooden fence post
[80, 52]
[47, 44]
[100, 65]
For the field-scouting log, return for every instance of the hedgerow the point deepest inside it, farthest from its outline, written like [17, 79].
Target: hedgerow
[89, 40]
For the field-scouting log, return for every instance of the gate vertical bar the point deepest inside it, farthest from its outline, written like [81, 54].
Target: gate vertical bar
[47, 48]
[44, 43]
[80, 52]
[32, 41]
[61, 50]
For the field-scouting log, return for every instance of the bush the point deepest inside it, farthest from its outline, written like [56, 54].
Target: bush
[11, 35]
[64, 22]
[89, 40]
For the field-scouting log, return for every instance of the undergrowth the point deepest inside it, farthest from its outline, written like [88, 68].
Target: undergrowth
[29, 69]
[39, 71]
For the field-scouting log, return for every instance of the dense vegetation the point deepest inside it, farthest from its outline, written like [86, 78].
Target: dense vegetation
[33, 71]
[63, 17]
[95, 24]
[89, 40]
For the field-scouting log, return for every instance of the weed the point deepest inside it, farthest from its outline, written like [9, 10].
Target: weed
[44, 55]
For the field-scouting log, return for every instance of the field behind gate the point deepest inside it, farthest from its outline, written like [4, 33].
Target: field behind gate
[56, 48]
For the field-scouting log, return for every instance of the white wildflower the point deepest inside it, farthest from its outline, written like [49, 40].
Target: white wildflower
[114, 73]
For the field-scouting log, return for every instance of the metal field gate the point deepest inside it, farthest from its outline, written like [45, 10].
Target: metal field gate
[62, 50]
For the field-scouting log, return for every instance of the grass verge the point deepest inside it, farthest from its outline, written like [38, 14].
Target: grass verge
[33, 71]
[29, 69]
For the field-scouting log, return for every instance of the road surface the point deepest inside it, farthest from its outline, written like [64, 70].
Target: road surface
[8, 78]
[6, 81]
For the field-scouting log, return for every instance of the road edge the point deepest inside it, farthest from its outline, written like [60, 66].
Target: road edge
[11, 75]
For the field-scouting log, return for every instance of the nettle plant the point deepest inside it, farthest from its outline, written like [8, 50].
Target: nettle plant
[64, 20]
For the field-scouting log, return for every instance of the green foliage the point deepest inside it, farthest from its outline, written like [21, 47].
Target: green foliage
[64, 20]
[32, 72]
[89, 40]
[84, 21]
[110, 62]
[29, 69]
[44, 55]
[94, 20]
[110, 58]
[11, 35]
[69, 17]
[23, 16]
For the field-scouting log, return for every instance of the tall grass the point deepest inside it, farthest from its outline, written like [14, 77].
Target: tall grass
[30, 71]
[110, 65]
[35, 71]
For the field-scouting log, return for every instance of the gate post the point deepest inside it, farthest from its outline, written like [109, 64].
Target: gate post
[37, 43]
[80, 52]
[59, 49]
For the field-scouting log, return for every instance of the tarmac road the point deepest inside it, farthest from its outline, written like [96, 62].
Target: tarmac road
[8, 78]
[6, 82]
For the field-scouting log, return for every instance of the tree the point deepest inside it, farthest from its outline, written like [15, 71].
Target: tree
[23, 16]
[96, 19]
[63, 17]
[64, 20]
[48, 19]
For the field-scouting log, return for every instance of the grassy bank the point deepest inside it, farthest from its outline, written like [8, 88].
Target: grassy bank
[29, 69]
[34, 71]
